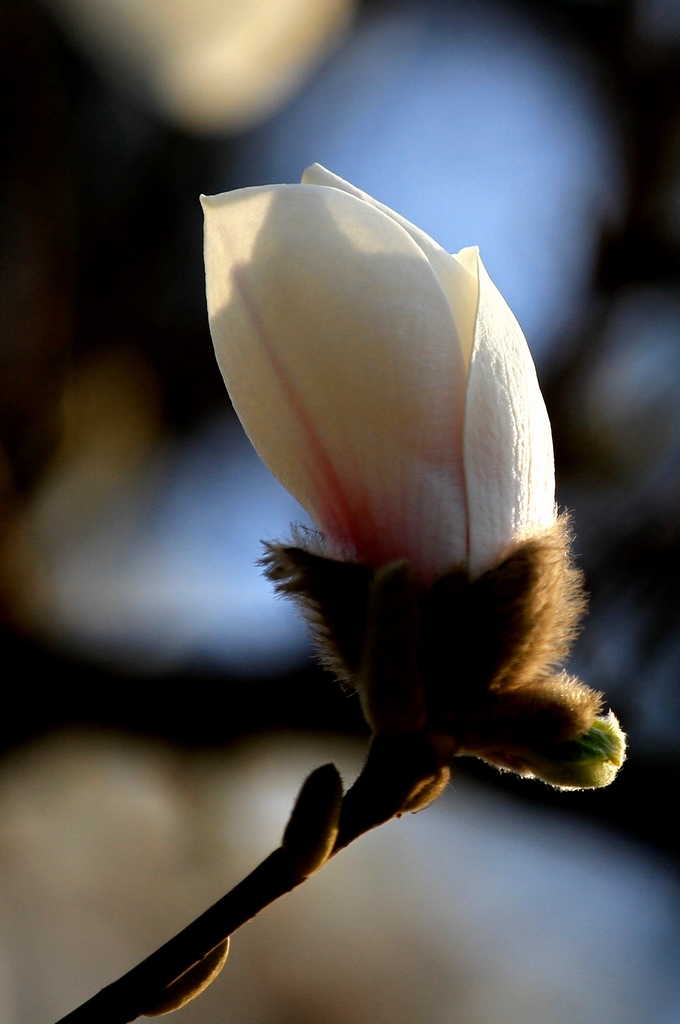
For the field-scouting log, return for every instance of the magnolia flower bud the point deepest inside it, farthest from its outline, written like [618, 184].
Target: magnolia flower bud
[389, 387]
[384, 382]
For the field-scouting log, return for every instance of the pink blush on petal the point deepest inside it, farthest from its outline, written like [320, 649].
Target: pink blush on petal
[370, 525]
[334, 510]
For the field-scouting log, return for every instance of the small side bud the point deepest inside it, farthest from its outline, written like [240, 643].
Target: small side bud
[192, 982]
[311, 832]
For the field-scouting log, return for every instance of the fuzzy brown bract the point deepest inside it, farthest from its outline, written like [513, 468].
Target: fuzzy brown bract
[332, 595]
[482, 656]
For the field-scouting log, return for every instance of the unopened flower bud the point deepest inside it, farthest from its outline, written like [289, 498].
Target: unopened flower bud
[388, 386]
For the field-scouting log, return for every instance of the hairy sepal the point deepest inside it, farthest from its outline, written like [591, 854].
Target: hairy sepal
[332, 596]
[476, 663]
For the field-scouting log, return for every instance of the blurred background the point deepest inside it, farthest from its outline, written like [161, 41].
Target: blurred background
[160, 707]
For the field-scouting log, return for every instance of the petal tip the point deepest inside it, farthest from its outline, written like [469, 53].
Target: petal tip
[309, 173]
[209, 201]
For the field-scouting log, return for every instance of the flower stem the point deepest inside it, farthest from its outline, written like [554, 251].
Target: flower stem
[138, 990]
[395, 766]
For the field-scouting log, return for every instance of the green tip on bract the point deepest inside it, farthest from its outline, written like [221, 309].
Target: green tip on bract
[588, 762]
[311, 832]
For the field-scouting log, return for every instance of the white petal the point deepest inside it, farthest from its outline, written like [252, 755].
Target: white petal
[460, 286]
[509, 465]
[335, 340]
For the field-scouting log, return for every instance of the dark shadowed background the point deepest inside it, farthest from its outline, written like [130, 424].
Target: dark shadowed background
[136, 629]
